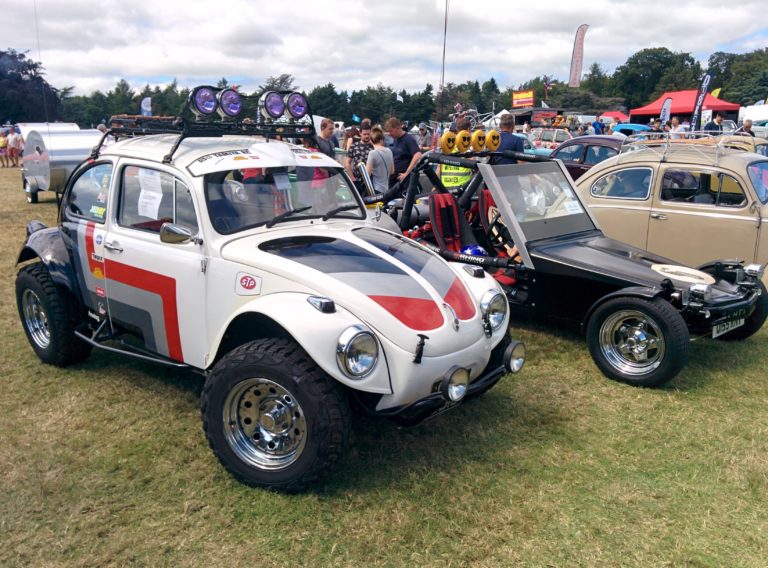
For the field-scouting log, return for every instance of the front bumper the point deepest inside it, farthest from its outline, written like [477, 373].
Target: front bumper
[702, 318]
[502, 362]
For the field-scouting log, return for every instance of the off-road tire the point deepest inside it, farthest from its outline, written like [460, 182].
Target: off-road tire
[753, 323]
[49, 315]
[234, 406]
[653, 326]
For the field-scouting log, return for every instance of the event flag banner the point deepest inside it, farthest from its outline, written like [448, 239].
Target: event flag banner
[146, 106]
[696, 116]
[522, 98]
[577, 58]
[716, 92]
[665, 110]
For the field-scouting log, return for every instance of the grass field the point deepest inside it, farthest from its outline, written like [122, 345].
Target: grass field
[105, 464]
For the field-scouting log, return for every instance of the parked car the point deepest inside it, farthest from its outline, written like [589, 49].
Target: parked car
[530, 229]
[581, 153]
[213, 247]
[547, 139]
[629, 128]
[690, 202]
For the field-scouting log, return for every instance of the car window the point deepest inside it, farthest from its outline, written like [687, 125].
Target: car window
[704, 188]
[632, 183]
[149, 198]
[761, 149]
[88, 196]
[561, 136]
[758, 175]
[572, 152]
[596, 154]
[546, 136]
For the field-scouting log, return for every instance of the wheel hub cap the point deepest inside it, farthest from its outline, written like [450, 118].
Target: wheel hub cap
[264, 424]
[632, 342]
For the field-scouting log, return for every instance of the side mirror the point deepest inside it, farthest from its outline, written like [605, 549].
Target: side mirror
[176, 234]
[362, 173]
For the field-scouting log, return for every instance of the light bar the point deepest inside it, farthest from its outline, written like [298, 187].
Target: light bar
[229, 103]
[296, 105]
[202, 101]
[272, 105]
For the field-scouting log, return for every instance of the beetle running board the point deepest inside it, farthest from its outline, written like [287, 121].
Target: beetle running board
[127, 350]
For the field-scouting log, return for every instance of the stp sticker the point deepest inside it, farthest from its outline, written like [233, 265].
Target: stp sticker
[247, 284]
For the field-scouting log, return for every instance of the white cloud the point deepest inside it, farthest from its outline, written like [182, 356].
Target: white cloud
[91, 44]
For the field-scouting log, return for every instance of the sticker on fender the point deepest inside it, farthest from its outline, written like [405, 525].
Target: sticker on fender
[247, 284]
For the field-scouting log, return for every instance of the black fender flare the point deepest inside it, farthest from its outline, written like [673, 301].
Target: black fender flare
[47, 245]
[632, 291]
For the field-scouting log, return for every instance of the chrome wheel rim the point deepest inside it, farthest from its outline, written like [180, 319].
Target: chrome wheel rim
[264, 424]
[35, 319]
[632, 342]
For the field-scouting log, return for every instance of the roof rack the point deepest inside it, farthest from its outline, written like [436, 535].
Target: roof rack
[245, 116]
[661, 143]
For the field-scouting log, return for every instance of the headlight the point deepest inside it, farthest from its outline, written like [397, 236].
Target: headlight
[455, 384]
[494, 307]
[754, 271]
[701, 292]
[357, 352]
[514, 356]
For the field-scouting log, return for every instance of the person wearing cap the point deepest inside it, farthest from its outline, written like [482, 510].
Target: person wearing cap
[424, 138]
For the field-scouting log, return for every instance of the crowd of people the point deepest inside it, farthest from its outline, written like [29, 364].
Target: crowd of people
[10, 147]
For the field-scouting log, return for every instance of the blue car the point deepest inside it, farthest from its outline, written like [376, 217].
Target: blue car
[629, 128]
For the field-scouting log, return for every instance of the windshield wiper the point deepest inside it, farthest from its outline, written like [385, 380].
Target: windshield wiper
[339, 209]
[284, 216]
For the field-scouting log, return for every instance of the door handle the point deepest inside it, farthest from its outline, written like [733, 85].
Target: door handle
[659, 216]
[114, 246]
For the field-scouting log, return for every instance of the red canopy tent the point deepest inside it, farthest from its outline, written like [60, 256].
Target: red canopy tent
[682, 104]
[616, 115]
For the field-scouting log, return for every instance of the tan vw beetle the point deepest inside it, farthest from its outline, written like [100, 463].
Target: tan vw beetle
[691, 203]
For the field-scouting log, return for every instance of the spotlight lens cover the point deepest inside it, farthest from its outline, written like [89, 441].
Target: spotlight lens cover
[274, 105]
[204, 100]
[297, 105]
[230, 102]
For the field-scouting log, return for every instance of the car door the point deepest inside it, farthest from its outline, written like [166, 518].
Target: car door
[153, 288]
[701, 214]
[572, 154]
[620, 199]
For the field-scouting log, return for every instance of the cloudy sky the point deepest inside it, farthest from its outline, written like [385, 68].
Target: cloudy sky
[91, 44]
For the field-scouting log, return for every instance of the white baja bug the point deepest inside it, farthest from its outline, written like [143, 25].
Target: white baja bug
[213, 246]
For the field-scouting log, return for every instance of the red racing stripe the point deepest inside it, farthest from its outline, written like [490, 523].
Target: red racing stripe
[96, 267]
[164, 286]
[416, 313]
[458, 298]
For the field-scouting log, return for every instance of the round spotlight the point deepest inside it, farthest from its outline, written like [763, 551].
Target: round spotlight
[455, 384]
[272, 105]
[297, 105]
[514, 356]
[230, 103]
[202, 100]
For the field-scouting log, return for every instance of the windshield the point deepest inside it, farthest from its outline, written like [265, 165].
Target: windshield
[758, 174]
[541, 199]
[245, 198]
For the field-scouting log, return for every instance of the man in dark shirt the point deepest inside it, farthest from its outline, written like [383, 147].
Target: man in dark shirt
[509, 141]
[405, 150]
[326, 140]
[358, 151]
[745, 128]
[715, 126]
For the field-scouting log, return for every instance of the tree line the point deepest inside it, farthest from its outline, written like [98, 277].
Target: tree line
[25, 95]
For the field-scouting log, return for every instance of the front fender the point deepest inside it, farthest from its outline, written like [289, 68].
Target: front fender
[48, 245]
[318, 335]
[631, 291]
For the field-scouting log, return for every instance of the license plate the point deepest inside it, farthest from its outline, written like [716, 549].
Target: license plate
[730, 324]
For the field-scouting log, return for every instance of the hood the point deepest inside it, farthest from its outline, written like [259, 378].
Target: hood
[618, 262]
[387, 281]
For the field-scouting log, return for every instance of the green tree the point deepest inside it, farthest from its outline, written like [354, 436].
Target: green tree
[122, 99]
[284, 82]
[377, 103]
[639, 77]
[491, 96]
[747, 83]
[24, 94]
[325, 101]
[597, 81]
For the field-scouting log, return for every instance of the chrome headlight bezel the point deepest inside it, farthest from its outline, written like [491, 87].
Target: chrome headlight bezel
[353, 338]
[494, 307]
[700, 292]
[754, 271]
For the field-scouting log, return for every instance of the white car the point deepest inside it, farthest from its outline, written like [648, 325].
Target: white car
[214, 247]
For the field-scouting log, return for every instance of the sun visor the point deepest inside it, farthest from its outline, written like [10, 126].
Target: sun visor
[261, 155]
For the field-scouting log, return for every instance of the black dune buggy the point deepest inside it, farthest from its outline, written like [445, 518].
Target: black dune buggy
[639, 310]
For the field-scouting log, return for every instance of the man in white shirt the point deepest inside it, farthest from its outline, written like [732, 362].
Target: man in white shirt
[14, 145]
